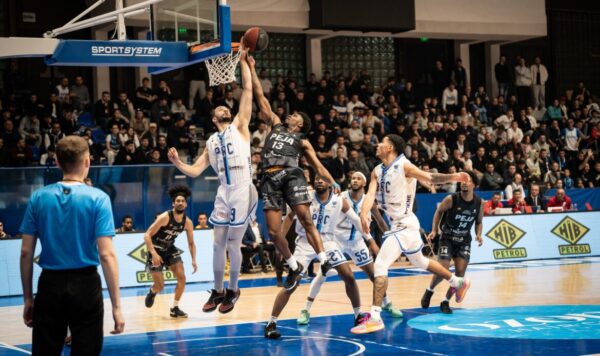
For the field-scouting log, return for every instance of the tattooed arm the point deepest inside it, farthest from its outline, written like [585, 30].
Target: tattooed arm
[413, 171]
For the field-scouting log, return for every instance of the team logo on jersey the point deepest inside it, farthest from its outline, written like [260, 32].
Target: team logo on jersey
[140, 254]
[571, 231]
[507, 235]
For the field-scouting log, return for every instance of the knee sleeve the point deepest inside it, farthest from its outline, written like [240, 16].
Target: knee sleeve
[418, 260]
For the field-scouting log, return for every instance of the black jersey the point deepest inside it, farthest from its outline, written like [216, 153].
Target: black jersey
[282, 148]
[165, 237]
[459, 219]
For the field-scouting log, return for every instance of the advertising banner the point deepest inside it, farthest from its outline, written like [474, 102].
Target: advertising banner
[131, 255]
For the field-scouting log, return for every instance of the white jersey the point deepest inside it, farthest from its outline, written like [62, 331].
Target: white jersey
[345, 231]
[229, 156]
[396, 193]
[326, 216]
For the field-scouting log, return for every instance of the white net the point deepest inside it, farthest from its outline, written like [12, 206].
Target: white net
[221, 70]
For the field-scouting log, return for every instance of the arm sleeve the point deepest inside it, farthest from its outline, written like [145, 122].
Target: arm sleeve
[28, 225]
[105, 225]
[355, 220]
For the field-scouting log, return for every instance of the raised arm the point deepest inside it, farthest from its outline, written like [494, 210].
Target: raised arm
[193, 170]
[365, 211]
[313, 160]
[413, 171]
[242, 119]
[263, 103]
[444, 206]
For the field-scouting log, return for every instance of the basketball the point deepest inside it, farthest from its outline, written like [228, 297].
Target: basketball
[256, 39]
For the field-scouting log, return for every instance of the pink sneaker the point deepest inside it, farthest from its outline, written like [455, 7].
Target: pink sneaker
[367, 325]
[462, 291]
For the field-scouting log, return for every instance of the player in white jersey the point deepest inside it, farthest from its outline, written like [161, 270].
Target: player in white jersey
[327, 209]
[393, 184]
[228, 152]
[353, 245]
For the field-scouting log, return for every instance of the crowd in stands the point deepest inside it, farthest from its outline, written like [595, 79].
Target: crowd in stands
[510, 141]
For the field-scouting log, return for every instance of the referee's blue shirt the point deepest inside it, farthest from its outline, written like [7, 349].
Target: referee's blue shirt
[67, 219]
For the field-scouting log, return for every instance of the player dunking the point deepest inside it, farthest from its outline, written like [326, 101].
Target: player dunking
[352, 244]
[228, 152]
[393, 184]
[457, 213]
[283, 180]
[160, 242]
[327, 210]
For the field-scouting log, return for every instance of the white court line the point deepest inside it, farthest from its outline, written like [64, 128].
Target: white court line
[164, 354]
[14, 348]
[361, 347]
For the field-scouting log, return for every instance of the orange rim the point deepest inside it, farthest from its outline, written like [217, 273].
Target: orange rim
[235, 46]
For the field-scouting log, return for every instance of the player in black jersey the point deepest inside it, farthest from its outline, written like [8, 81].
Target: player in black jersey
[160, 242]
[457, 213]
[283, 182]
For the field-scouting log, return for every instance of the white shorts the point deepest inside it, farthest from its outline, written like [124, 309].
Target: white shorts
[234, 205]
[304, 253]
[357, 250]
[405, 240]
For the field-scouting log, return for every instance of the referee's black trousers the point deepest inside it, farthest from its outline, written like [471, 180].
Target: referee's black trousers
[68, 298]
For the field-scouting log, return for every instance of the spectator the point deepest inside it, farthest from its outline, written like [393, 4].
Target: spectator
[3, 234]
[489, 208]
[29, 129]
[517, 184]
[164, 91]
[535, 200]
[177, 135]
[517, 202]
[357, 163]
[491, 179]
[179, 109]
[69, 123]
[523, 83]
[129, 155]
[125, 106]
[571, 137]
[458, 76]
[202, 222]
[340, 142]
[539, 75]
[48, 159]
[21, 155]
[118, 119]
[567, 180]
[10, 136]
[281, 101]
[502, 76]
[155, 157]
[261, 133]
[144, 150]
[140, 123]
[163, 148]
[113, 144]
[161, 114]
[103, 110]
[80, 95]
[62, 89]
[251, 244]
[233, 104]
[515, 134]
[560, 199]
[145, 96]
[354, 103]
[355, 134]
[450, 99]
[126, 225]
[553, 174]
[340, 167]
[152, 134]
[265, 83]
[4, 154]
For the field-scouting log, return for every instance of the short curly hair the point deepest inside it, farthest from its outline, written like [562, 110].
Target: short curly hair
[179, 190]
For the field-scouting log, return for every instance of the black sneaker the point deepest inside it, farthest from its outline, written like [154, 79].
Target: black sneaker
[178, 313]
[271, 331]
[445, 307]
[150, 298]
[325, 267]
[426, 299]
[229, 301]
[213, 302]
[293, 278]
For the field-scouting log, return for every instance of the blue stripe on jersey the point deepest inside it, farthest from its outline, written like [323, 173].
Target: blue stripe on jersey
[384, 170]
[322, 210]
[224, 153]
[355, 208]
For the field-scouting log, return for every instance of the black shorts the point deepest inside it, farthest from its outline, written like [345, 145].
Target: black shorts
[285, 186]
[170, 256]
[451, 248]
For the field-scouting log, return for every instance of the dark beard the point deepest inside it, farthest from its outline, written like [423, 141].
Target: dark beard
[179, 211]
[321, 191]
[355, 190]
[225, 120]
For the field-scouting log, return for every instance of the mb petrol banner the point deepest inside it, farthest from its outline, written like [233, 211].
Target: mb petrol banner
[538, 236]
[131, 255]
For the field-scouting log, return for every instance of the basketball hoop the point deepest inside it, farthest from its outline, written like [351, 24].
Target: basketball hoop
[221, 70]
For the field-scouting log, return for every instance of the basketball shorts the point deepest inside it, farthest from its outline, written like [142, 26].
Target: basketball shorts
[170, 256]
[285, 186]
[357, 251]
[234, 205]
[451, 248]
[304, 253]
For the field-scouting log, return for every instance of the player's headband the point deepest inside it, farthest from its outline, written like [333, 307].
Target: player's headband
[361, 175]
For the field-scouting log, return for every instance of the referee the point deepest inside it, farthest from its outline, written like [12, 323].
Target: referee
[74, 223]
